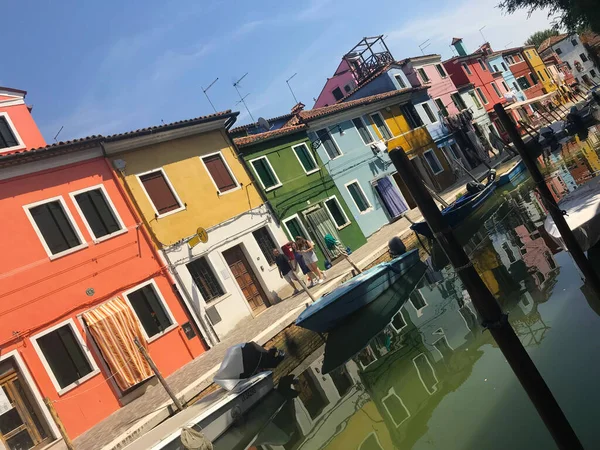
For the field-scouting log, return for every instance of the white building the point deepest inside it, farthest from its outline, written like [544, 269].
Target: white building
[572, 51]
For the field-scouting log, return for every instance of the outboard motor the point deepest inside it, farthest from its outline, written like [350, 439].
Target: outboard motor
[396, 247]
[474, 188]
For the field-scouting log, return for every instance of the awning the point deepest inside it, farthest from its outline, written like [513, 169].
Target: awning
[532, 100]
[113, 326]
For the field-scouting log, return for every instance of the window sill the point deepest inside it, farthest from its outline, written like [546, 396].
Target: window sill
[161, 334]
[110, 236]
[79, 382]
[217, 300]
[272, 188]
[367, 211]
[341, 227]
[12, 149]
[310, 172]
[229, 191]
[337, 157]
[68, 252]
[160, 216]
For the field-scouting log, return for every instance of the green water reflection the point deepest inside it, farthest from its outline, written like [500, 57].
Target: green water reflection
[434, 379]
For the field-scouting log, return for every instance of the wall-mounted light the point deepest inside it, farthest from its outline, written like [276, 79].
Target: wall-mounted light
[341, 131]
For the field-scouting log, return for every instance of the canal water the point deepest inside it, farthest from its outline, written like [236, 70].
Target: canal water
[431, 377]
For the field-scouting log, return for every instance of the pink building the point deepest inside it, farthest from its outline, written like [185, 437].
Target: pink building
[338, 86]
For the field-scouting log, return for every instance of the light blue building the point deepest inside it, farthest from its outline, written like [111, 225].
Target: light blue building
[497, 63]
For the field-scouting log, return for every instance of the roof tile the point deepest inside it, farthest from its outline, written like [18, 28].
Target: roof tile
[551, 41]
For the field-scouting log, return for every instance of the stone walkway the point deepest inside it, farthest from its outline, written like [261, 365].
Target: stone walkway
[155, 406]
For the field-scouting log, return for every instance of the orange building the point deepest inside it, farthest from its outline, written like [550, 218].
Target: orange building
[79, 279]
[18, 130]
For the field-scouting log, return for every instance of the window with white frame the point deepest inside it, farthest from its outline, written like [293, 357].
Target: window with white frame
[265, 173]
[398, 322]
[481, 96]
[328, 143]
[440, 104]
[371, 442]
[266, 243]
[475, 100]
[295, 227]
[400, 80]
[426, 373]
[205, 279]
[423, 75]
[305, 158]
[65, 356]
[9, 138]
[99, 214]
[429, 113]
[55, 226]
[433, 162]
[496, 90]
[336, 212]
[363, 130]
[458, 101]
[160, 192]
[505, 86]
[220, 172]
[504, 67]
[151, 309]
[466, 68]
[441, 70]
[417, 300]
[395, 408]
[358, 196]
[380, 124]
[482, 64]
[516, 86]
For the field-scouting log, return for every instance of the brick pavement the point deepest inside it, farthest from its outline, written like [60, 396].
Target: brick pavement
[154, 406]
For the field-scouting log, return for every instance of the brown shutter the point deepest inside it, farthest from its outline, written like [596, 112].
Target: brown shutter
[219, 173]
[159, 192]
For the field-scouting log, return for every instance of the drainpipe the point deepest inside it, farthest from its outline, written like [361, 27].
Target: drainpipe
[187, 301]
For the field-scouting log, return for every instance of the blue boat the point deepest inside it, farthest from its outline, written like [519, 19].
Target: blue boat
[332, 308]
[512, 174]
[460, 209]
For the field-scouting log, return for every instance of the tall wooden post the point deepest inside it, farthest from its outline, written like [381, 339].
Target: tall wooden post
[567, 234]
[487, 307]
[59, 424]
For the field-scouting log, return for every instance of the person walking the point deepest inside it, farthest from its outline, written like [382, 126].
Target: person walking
[285, 270]
[302, 265]
[307, 248]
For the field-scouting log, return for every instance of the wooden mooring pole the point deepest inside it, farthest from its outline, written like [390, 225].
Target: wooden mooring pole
[494, 319]
[559, 219]
[59, 424]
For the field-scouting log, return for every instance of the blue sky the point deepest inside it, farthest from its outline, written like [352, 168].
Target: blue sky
[113, 66]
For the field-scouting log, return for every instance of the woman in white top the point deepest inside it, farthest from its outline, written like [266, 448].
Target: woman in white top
[307, 249]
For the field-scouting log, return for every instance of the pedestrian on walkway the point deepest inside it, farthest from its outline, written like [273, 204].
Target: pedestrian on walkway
[302, 265]
[285, 270]
[307, 248]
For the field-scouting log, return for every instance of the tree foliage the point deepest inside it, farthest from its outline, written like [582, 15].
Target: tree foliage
[540, 36]
[569, 14]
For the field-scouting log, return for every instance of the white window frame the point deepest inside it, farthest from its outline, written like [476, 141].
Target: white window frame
[398, 330]
[423, 75]
[11, 125]
[316, 169]
[474, 97]
[176, 210]
[465, 68]
[367, 437]
[339, 149]
[392, 393]
[377, 113]
[400, 81]
[237, 184]
[375, 139]
[421, 377]
[279, 184]
[370, 208]
[447, 343]
[164, 304]
[86, 353]
[505, 86]
[420, 310]
[436, 158]
[95, 239]
[496, 89]
[333, 197]
[297, 217]
[71, 219]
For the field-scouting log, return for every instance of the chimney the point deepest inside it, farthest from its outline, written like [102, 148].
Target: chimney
[298, 107]
[459, 46]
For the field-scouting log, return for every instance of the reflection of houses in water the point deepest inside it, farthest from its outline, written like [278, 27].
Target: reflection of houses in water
[557, 185]
[563, 172]
[536, 255]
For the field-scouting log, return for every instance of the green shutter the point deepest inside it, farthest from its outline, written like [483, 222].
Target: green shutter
[264, 172]
[358, 197]
[305, 158]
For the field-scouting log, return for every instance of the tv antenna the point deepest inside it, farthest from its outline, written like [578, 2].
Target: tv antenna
[242, 99]
[508, 44]
[61, 128]
[424, 45]
[288, 83]
[481, 32]
[207, 97]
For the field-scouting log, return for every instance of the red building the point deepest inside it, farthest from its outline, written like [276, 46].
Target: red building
[80, 278]
[18, 130]
[473, 69]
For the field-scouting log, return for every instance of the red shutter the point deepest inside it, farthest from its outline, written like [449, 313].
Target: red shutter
[159, 192]
[219, 173]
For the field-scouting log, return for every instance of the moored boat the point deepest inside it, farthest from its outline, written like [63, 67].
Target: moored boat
[512, 174]
[331, 309]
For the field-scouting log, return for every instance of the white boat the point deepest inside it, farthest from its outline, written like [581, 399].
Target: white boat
[213, 415]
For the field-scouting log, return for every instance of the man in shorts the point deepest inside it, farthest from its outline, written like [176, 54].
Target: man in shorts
[285, 270]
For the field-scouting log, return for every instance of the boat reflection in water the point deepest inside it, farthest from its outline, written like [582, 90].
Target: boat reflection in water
[417, 371]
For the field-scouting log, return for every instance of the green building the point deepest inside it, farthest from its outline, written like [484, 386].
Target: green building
[298, 187]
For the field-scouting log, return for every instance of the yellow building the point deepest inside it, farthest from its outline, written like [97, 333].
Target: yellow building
[539, 68]
[187, 176]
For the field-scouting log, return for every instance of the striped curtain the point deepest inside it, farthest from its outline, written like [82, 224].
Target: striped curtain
[113, 326]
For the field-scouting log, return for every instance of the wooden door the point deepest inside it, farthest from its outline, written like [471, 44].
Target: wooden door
[20, 426]
[246, 279]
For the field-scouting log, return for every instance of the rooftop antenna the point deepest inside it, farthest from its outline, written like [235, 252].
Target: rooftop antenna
[288, 83]
[481, 32]
[424, 45]
[162, 121]
[61, 128]
[508, 44]
[242, 99]
[207, 97]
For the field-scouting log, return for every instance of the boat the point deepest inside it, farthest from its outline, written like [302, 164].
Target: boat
[461, 208]
[344, 342]
[331, 309]
[213, 415]
[512, 174]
